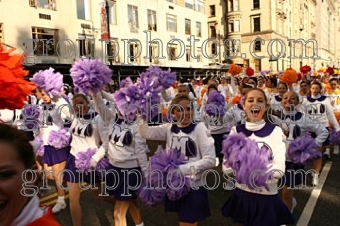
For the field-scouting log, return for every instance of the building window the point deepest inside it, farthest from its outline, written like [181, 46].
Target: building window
[213, 48]
[231, 26]
[236, 5]
[2, 33]
[46, 4]
[198, 29]
[257, 65]
[187, 27]
[256, 4]
[152, 24]
[171, 23]
[172, 53]
[83, 9]
[257, 46]
[47, 46]
[200, 6]
[199, 56]
[237, 26]
[212, 10]
[133, 18]
[231, 5]
[113, 12]
[173, 1]
[189, 4]
[256, 24]
[86, 45]
[133, 52]
[188, 57]
[212, 30]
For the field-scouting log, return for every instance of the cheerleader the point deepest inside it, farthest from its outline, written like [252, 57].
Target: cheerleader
[303, 91]
[215, 124]
[295, 124]
[126, 153]
[87, 131]
[275, 103]
[54, 158]
[247, 205]
[333, 94]
[235, 114]
[319, 108]
[271, 88]
[191, 139]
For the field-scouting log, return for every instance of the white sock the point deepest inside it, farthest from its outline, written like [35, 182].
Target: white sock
[328, 151]
[61, 199]
[141, 224]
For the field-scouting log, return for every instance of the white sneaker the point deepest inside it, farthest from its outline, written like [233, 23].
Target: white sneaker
[59, 206]
[217, 162]
[336, 150]
[294, 203]
[315, 180]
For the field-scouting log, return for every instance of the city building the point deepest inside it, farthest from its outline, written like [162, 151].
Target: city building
[167, 33]
[266, 33]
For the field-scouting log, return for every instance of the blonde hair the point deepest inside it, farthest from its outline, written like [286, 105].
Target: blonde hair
[178, 98]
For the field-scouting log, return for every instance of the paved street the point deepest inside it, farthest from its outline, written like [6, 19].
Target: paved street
[316, 207]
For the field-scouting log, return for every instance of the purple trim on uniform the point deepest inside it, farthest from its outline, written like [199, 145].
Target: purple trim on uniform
[278, 98]
[311, 99]
[240, 107]
[249, 208]
[54, 156]
[264, 132]
[297, 116]
[188, 129]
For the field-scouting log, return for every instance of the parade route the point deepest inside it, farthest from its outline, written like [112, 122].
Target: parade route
[318, 206]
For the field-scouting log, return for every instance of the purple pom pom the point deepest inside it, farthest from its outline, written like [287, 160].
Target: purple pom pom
[41, 149]
[125, 82]
[165, 78]
[249, 161]
[102, 164]
[90, 75]
[127, 100]
[334, 137]
[151, 195]
[39, 79]
[31, 111]
[179, 185]
[49, 81]
[59, 139]
[303, 150]
[83, 159]
[215, 104]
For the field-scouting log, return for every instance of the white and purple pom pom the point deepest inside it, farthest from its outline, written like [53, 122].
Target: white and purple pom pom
[90, 75]
[180, 185]
[303, 150]
[103, 164]
[40, 149]
[249, 161]
[53, 83]
[165, 78]
[59, 139]
[152, 195]
[39, 79]
[334, 137]
[83, 159]
[215, 104]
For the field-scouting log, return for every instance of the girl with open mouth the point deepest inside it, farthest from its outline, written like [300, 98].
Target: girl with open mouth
[248, 205]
